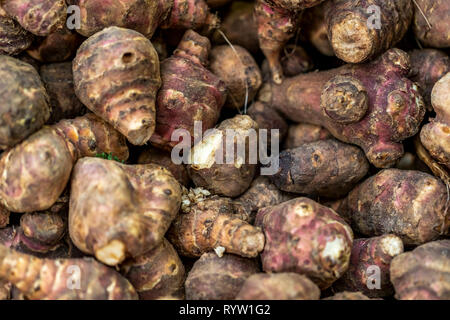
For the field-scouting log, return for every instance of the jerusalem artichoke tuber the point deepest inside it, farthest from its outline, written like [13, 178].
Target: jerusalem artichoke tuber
[302, 133]
[314, 28]
[13, 38]
[294, 60]
[431, 24]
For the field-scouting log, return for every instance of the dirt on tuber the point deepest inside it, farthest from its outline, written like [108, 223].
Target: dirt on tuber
[302, 133]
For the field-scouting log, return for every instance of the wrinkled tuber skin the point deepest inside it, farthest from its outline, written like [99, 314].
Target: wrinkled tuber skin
[4, 217]
[216, 224]
[156, 274]
[277, 22]
[436, 13]
[268, 118]
[215, 278]
[227, 179]
[424, 158]
[58, 46]
[278, 286]
[314, 28]
[409, 204]
[116, 75]
[35, 172]
[346, 295]
[13, 38]
[355, 38]
[371, 105]
[239, 71]
[368, 255]
[305, 237]
[58, 80]
[294, 61]
[302, 133]
[435, 136]
[428, 66]
[47, 279]
[326, 168]
[118, 211]
[25, 103]
[163, 158]
[189, 91]
[424, 273]
[40, 17]
[262, 193]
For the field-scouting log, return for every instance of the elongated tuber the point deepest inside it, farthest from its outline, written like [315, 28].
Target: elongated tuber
[53, 279]
[305, 237]
[214, 278]
[189, 91]
[116, 75]
[369, 266]
[118, 211]
[278, 286]
[302, 133]
[215, 224]
[35, 172]
[424, 273]
[25, 103]
[371, 105]
[326, 168]
[431, 24]
[157, 273]
[409, 204]
[13, 38]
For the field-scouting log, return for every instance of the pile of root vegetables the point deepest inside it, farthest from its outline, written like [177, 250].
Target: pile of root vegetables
[355, 94]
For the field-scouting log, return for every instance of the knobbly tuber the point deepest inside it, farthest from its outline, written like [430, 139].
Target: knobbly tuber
[326, 168]
[371, 105]
[346, 295]
[118, 211]
[428, 66]
[369, 266]
[156, 274]
[236, 67]
[53, 279]
[58, 80]
[116, 75]
[409, 204]
[13, 38]
[314, 28]
[294, 61]
[40, 17]
[35, 172]
[435, 136]
[25, 103]
[189, 91]
[214, 278]
[357, 34]
[302, 133]
[431, 23]
[143, 16]
[305, 237]
[424, 273]
[162, 158]
[226, 168]
[215, 224]
[277, 21]
[278, 286]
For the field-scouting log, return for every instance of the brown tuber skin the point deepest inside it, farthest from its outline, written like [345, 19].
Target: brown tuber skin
[214, 278]
[58, 80]
[116, 75]
[305, 237]
[239, 71]
[119, 211]
[372, 105]
[25, 103]
[294, 61]
[346, 295]
[278, 286]
[189, 92]
[424, 273]
[409, 204]
[35, 172]
[366, 255]
[436, 13]
[435, 136]
[156, 274]
[4, 217]
[216, 224]
[13, 38]
[314, 28]
[302, 133]
[48, 279]
[326, 168]
[40, 17]
[355, 38]
[227, 179]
